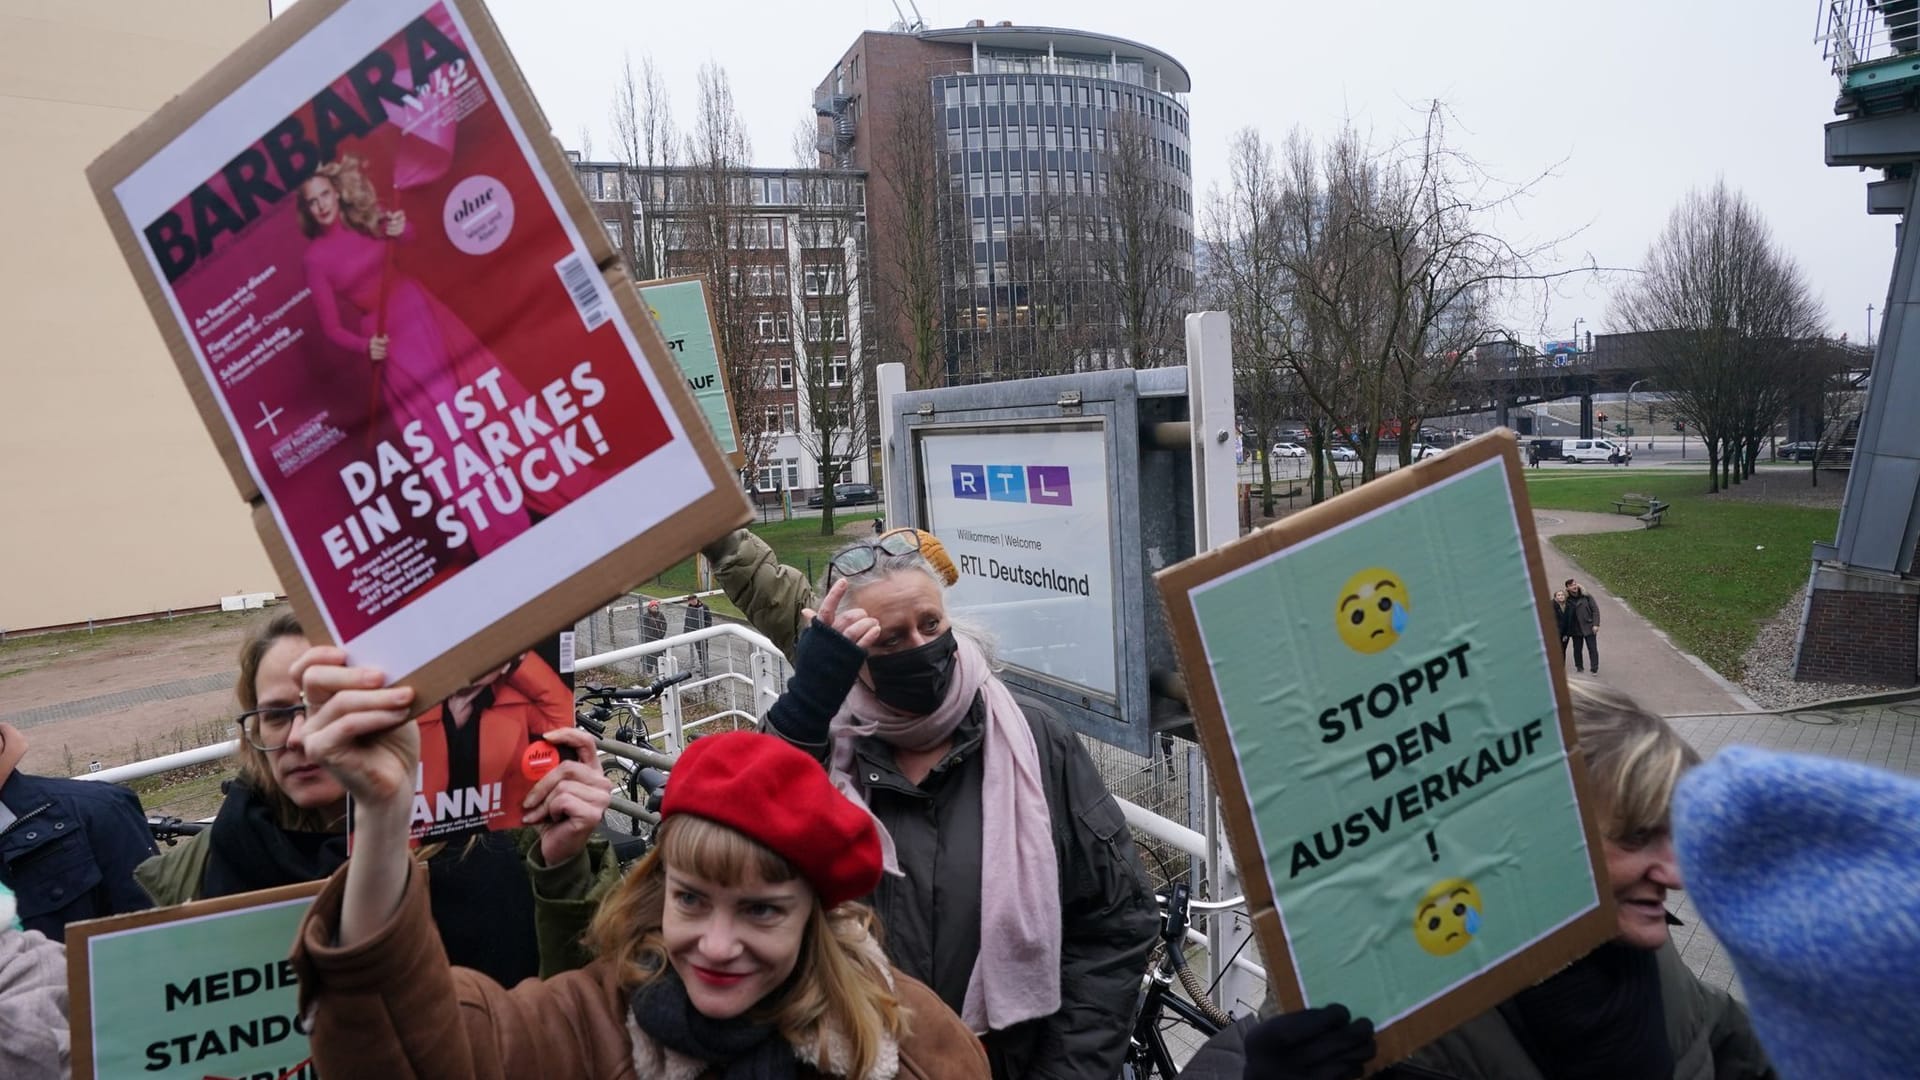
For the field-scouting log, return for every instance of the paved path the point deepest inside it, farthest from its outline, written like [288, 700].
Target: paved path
[1879, 735]
[103, 703]
[1636, 655]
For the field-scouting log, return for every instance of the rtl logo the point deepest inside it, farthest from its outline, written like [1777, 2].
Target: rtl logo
[1048, 485]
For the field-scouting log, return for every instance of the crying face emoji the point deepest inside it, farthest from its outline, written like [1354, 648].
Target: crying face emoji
[1371, 613]
[1448, 917]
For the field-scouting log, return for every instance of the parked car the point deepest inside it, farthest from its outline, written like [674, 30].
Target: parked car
[1426, 450]
[846, 495]
[1289, 450]
[1800, 451]
[1579, 450]
[1343, 453]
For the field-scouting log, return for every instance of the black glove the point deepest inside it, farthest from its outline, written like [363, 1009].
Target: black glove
[825, 666]
[1312, 1044]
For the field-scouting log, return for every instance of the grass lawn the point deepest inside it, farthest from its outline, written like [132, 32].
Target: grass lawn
[1710, 574]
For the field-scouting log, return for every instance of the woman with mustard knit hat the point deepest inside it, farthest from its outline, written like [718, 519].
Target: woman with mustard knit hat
[1016, 893]
[732, 950]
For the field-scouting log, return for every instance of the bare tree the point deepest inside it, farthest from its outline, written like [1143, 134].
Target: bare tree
[1727, 318]
[647, 143]
[906, 188]
[1143, 253]
[1245, 279]
[834, 368]
[716, 234]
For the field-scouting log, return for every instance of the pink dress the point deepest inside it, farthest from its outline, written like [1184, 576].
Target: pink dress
[430, 355]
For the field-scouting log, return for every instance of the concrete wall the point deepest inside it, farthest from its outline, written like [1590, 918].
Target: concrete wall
[115, 502]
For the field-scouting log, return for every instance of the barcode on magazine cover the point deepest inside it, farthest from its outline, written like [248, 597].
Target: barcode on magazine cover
[583, 284]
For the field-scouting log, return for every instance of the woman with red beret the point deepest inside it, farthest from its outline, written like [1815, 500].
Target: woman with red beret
[731, 951]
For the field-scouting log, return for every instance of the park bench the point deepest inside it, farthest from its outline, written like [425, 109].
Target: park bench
[1655, 511]
[1635, 504]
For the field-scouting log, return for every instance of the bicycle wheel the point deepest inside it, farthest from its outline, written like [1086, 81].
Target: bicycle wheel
[620, 775]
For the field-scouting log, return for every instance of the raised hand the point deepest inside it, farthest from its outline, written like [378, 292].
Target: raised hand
[570, 800]
[358, 727]
[396, 223]
[852, 623]
[377, 348]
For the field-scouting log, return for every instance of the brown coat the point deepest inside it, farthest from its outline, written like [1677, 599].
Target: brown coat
[393, 1007]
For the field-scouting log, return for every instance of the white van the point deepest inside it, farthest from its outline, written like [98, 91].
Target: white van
[1578, 450]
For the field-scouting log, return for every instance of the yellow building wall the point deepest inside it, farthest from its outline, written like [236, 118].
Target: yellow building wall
[112, 499]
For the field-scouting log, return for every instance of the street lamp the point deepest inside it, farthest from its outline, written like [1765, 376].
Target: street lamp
[1637, 382]
[1576, 333]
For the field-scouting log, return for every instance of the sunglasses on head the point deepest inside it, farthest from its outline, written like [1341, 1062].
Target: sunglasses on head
[863, 557]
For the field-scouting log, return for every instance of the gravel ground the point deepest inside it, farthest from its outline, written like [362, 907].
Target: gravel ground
[1790, 487]
[1769, 666]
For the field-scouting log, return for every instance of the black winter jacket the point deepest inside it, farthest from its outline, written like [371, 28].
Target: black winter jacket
[932, 912]
[71, 850]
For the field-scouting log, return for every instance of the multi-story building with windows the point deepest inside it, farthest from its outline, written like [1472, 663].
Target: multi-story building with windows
[783, 252]
[1064, 190]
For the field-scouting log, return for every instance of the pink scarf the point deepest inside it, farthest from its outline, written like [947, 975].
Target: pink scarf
[1017, 975]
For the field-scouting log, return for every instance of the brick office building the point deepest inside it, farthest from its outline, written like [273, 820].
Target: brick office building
[1051, 152]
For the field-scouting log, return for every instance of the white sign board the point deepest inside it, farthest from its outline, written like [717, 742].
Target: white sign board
[1024, 511]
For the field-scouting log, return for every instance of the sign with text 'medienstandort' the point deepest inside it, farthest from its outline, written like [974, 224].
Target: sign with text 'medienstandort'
[369, 261]
[195, 991]
[1379, 696]
[1024, 511]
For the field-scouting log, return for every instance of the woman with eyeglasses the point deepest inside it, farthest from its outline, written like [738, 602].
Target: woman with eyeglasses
[1016, 894]
[512, 904]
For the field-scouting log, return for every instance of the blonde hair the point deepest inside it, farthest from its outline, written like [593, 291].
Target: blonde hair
[1634, 757]
[840, 983]
[359, 205]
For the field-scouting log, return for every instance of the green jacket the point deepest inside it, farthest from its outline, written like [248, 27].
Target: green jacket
[768, 592]
[565, 897]
[1706, 1029]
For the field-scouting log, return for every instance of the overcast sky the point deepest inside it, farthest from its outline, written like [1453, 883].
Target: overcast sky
[1636, 101]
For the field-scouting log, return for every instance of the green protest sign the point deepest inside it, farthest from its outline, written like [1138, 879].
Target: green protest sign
[680, 306]
[201, 990]
[1377, 693]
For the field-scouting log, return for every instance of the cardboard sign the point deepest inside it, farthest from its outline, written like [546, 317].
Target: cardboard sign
[1377, 685]
[195, 991]
[388, 297]
[679, 306]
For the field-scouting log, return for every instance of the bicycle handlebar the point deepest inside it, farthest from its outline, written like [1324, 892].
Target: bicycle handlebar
[633, 693]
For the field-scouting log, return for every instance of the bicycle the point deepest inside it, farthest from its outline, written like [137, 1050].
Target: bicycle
[1148, 1055]
[168, 830]
[633, 765]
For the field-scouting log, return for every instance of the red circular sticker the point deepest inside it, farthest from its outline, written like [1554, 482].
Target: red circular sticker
[539, 760]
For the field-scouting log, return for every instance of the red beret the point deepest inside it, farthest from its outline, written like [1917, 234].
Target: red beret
[766, 789]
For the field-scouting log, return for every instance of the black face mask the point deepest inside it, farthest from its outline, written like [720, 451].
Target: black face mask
[915, 681]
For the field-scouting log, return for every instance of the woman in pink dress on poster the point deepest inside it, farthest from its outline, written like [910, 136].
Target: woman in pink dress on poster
[422, 355]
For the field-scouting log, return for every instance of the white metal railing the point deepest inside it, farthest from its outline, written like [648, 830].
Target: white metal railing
[765, 661]
[1856, 32]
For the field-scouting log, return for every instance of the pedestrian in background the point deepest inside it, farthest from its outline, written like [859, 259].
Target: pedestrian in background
[699, 617]
[653, 627]
[1583, 626]
[1560, 622]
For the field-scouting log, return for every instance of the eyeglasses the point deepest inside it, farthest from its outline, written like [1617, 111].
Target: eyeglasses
[268, 727]
[859, 559]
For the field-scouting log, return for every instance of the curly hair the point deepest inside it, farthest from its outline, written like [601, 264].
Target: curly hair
[359, 205]
[841, 982]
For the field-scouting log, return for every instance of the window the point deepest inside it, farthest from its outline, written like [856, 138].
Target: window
[822, 280]
[793, 472]
[831, 327]
[837, 371]
[613, 232]
[772, 326]
[786, 374]
[772, 422]
[767, 280]
[789, 417]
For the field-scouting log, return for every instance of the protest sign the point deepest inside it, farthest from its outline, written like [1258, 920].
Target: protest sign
[199, 990]
[405, 330]
[1378, 688]
[679, 306]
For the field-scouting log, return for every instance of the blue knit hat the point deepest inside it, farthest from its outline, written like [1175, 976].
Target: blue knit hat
[1808, 871]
